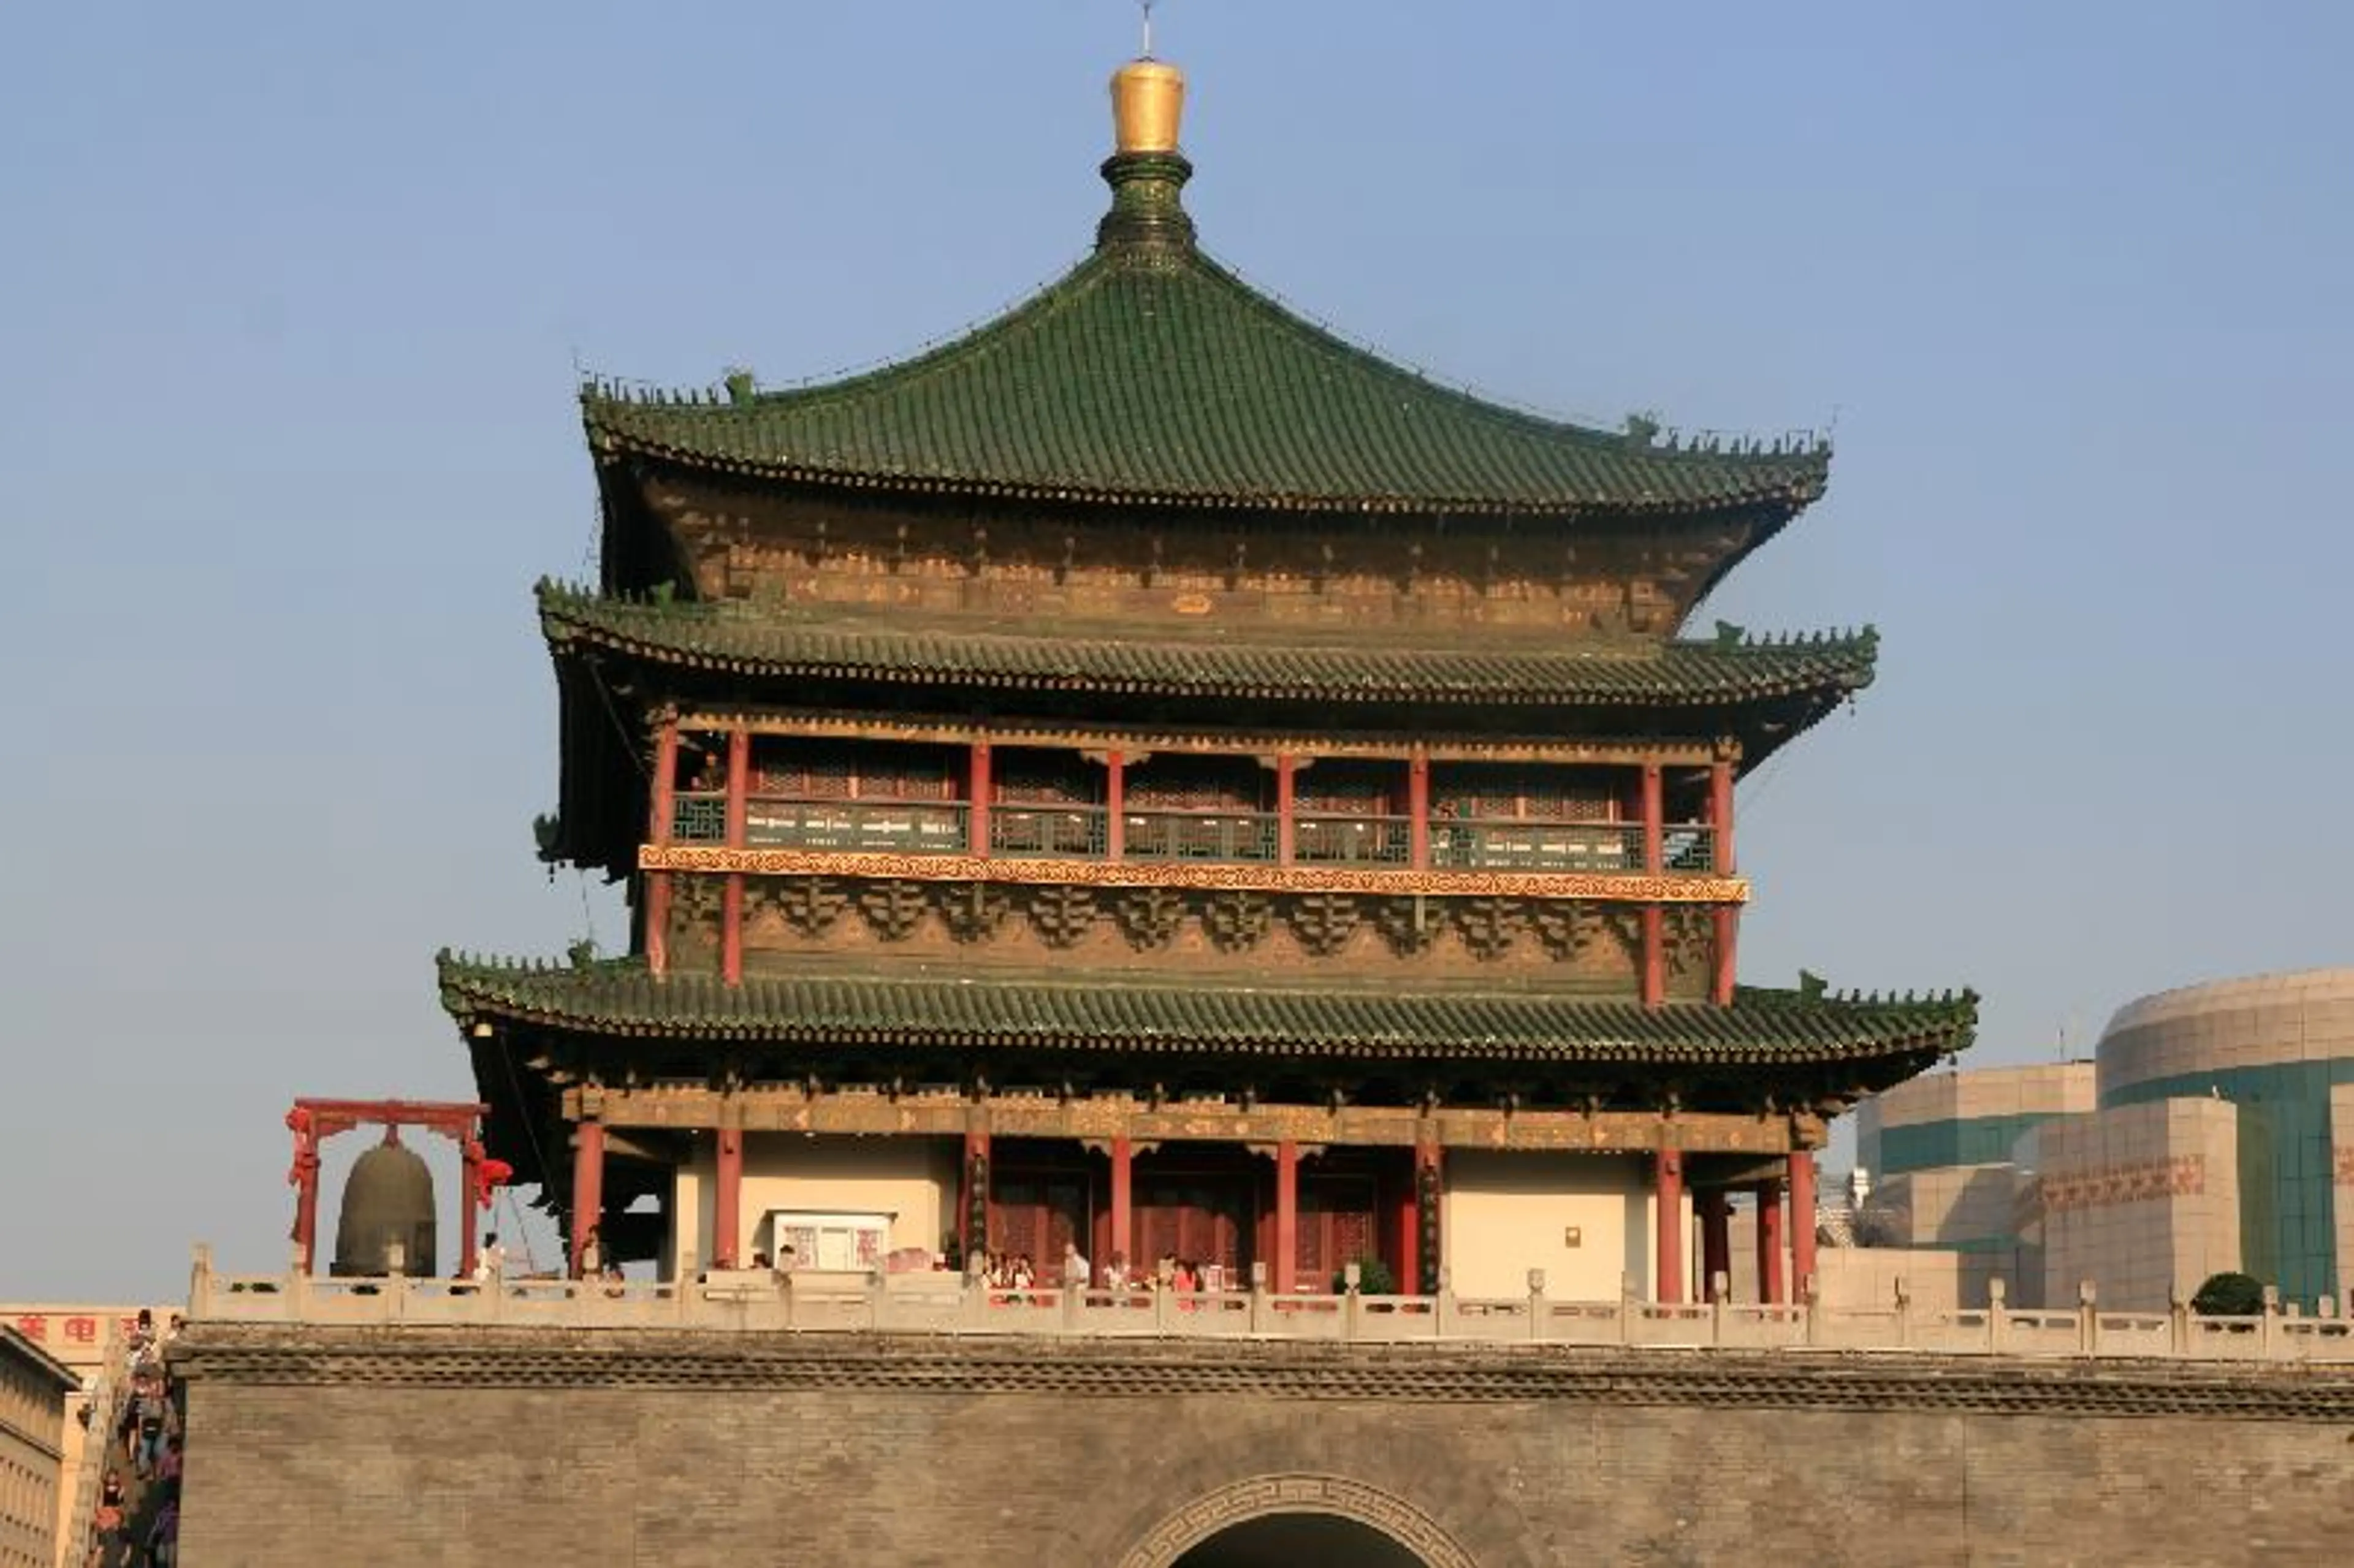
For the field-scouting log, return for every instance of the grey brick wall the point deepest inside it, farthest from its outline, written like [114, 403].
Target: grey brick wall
[450, 1446]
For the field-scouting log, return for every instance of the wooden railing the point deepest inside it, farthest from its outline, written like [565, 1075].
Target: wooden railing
[1035, 832]
[893, 827]
[812, 1302]
[1512, 843]
[1021, 830]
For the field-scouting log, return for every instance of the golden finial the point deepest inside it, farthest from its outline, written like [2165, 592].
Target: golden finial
[1148, 98]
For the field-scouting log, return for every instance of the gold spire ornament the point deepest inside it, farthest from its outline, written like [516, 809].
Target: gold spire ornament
[1147, 99]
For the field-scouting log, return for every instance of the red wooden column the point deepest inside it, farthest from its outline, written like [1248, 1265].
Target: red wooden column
[1655, 965]
[1411, 1278]
[306, 1199]
[664, 813]
[1409, 1230]
[588, 1186]
[470, 1204]
[1115, 808]
[1726, 916]
[1802, 1222]
[1287, 1217]
[1770, 1288]
[1715, 1240]
[1417, 812]
[731, 907]
[972, 1240]
[1284, 763]
[977, 808]
[1123, 1173]
[1668, 1249]
[727, 1202]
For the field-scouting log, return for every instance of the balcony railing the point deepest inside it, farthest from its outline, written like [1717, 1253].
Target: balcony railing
[699, 819]
[1323, 840]
[932, 1304]
[1240, 836]
[1497, 844]
[1018, 831]
[893, 826]
[1058, 831]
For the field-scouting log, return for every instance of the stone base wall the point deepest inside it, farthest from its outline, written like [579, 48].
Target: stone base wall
[479, 1446]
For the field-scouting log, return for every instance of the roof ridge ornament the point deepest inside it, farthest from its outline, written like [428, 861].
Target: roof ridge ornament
[1146, 171]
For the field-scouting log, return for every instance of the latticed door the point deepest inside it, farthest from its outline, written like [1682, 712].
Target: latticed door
[1336, 1226]
[1037, 1216]
[1201, 1219]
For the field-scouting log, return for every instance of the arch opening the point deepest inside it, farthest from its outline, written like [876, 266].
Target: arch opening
[1287, 1540]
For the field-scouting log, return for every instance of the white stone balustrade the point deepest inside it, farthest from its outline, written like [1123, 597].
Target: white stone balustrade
[815, 1302]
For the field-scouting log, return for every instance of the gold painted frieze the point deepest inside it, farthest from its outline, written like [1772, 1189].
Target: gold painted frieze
[1624, 888]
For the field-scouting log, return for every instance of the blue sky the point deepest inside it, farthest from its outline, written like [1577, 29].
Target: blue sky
[294, 295]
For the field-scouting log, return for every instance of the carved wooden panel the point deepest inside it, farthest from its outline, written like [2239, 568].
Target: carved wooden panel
[1237, 932]
[1131, 565]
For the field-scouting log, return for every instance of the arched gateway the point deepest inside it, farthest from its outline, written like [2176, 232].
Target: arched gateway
[1297, 1519]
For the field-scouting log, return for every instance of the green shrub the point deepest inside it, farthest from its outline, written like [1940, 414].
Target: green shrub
[1373, 1278]
[2228, 1296]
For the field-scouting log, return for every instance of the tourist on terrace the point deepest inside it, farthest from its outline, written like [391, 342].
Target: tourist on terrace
[1115, 1273]
[490, 1259]
[1075, 1271]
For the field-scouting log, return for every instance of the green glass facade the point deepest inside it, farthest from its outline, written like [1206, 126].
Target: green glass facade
[2288, 1215]
[1973, 1140]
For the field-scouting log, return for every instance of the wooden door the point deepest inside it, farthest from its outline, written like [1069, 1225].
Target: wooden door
[1036, 1215]
[1201, 1218]
[1337, 1225]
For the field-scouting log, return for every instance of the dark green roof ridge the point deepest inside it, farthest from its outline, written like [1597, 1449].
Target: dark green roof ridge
[1151, 373]
[1185, 1013]
[771, 640]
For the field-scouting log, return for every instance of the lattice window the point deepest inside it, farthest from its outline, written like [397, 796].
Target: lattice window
[1349, 787]
[1533, 793]
[1200, 784]
[1021, 777]
[800, 769]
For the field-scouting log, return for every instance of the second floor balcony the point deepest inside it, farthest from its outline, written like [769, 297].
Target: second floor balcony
[1448, 840]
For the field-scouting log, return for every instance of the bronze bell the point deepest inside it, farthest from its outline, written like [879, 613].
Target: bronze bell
[387, 1203]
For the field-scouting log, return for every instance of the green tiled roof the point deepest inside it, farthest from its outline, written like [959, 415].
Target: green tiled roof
[1762, 1027]
[776, 642]
[1152, 374]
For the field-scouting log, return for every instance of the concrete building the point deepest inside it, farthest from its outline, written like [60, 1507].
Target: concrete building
[2212, 1132]
[33, 1480]
[2278, 1051]
[1938, 1154]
